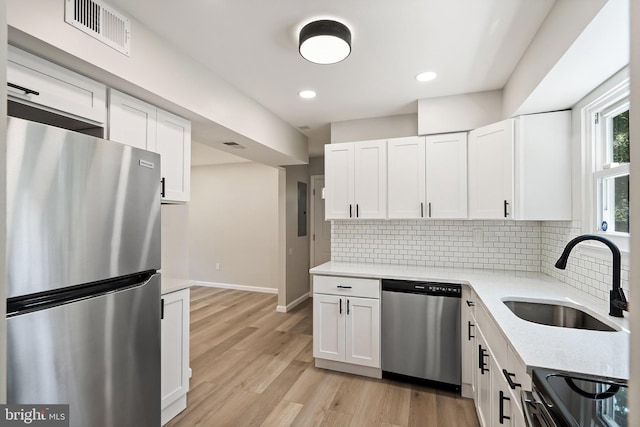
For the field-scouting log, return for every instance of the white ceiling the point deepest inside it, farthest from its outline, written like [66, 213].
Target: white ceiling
[473, 45]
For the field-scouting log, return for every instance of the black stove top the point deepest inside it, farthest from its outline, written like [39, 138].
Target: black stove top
[577, 400]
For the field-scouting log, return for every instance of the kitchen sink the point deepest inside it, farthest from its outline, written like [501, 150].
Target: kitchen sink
[552, 314]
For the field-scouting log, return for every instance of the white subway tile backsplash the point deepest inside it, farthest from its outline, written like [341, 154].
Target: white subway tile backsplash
[505, 245]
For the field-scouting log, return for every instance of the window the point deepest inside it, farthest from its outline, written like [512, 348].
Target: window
[605, 160]
[612, 168]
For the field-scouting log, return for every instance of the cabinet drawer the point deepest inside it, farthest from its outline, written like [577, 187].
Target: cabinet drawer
[349, 286]
[54, 88]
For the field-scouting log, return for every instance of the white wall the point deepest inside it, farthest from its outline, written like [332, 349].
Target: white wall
[297, 276]
[374, 128]
[157, 72]
[3, 237]
[316, 166]
[458, 113]
[634, 188]
[564, 23]
[175, 241]
[233, 221]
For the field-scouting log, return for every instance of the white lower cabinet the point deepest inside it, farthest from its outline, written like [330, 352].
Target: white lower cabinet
[346, 323]
[174, 353]
[498, 376]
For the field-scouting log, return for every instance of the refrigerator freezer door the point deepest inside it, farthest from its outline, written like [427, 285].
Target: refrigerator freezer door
[79, 209]
[100, 355]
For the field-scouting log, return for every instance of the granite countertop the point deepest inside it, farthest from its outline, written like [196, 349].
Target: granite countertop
[539, 346]
[172, 284]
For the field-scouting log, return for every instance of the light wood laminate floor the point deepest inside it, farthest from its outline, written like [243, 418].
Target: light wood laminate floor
[253, 366]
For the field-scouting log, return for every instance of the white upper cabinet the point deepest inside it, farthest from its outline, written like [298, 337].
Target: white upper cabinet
[521, 168]
[428, 176]
[131, 121]
[36, 82]
[446, 174]
[406, 177]
[136, 123]
[173, 142]
[356, 180]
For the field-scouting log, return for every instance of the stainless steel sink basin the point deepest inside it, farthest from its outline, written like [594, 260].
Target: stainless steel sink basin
[556, 315]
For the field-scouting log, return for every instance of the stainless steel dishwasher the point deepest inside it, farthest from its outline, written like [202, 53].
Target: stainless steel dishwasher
[421, 332]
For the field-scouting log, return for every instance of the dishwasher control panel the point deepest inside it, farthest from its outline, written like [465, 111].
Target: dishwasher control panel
[428, 288]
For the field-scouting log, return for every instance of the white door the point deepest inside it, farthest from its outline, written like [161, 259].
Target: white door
[363, 332]
[338, 166]
[320, 227]
[131, 121]
[370, 184]
[328, 327]
[446, 175]
[173, 142]
[406, 177]
[491, 171]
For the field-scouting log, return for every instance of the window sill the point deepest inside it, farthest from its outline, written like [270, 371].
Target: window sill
[599, 251]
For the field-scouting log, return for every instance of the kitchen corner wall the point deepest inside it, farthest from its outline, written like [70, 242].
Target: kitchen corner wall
[530, 246]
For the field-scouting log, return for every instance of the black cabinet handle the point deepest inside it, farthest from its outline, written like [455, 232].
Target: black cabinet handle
[26, 91]
[507, 376]
[344, 287]
[348, 311]
[506, 212]
[469, 326]
[162, 191]
[340, 305]
[429, 209]
[470, 303]
[501, 414]
[350, 211]
[421, 209]
[357, 211]
[482, 353]
[161, 308]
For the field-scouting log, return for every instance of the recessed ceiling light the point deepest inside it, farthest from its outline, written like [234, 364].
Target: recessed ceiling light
[426, 76]
[307, 94]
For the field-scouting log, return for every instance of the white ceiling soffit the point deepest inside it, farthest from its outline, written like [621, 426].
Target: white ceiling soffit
[205, 155]
[599, 52]
[472, 45]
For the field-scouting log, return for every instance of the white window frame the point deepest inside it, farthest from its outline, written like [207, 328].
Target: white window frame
[604, 103]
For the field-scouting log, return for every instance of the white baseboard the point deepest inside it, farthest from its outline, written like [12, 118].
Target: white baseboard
[237, 287]
[292, 304]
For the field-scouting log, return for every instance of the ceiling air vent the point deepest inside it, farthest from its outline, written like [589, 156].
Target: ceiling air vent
[234, 145]
[100, 21]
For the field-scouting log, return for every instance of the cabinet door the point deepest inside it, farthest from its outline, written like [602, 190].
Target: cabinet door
[329, 327]
[406, 177]
[339, 177]
[484, 371]
[370, 184]
[446, 175]
[502, 400]
[175, 346]
[469, 362]
[363, 332]
[54, 88]
[131, 121]
[491, 171]
[173, 143]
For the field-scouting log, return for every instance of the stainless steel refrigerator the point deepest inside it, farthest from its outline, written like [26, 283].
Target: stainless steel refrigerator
[83, 250]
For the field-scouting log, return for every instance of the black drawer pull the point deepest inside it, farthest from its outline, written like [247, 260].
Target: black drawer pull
[470, 303]
[26, 91]
[469, 326]
[501, 414]
[482, 353]
[344, 287]
[507, 376]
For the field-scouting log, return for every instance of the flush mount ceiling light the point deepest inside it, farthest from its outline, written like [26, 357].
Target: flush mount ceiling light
[325, 42]
[426, 76]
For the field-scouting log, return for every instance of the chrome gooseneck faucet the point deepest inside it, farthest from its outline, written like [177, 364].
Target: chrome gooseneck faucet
[617, 300]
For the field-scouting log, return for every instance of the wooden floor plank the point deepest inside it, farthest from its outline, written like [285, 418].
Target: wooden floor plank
[253, 366]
